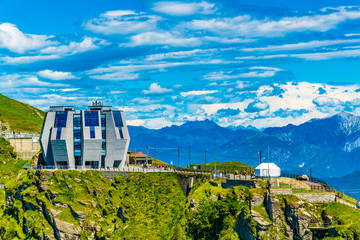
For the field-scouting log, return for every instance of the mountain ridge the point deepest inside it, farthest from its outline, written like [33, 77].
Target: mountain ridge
[330, 145]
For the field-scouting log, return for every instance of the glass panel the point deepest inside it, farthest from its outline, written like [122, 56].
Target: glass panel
[118, 119]
[91, 118]
[121, 133]
[103, 120]
[60, 119]
[77, 134]
[58, 133]
[77, 121]
[92, 132]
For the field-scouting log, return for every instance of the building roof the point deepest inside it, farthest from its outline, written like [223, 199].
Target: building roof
[139, 155]
[267, 166]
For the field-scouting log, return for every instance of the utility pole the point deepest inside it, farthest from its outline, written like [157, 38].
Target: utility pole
[269, 181]
[260, 156]
[147, 152]
[310, 174]
[179, 157]
[135, 157]
[155, 154]
[189, 158]
[215, 155]
[205, 159]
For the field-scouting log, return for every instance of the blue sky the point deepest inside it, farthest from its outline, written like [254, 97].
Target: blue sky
[238, 63]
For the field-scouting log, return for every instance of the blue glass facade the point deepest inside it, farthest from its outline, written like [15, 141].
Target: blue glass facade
[60, 119]
[59, 123]
[91, 119]
[118, 119]
[77, 137]
[118, 122]
[58, 133]
[103, 134]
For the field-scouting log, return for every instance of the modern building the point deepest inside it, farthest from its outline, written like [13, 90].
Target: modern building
[94, 138]
[267, 170]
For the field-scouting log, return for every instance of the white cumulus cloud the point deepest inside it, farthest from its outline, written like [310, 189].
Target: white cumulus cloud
[162, 38]
[247, 26]
[56, 75]
[122, 22]
[326, 101]
[14, 40]
[197, 93]
[182, 9]
[156, 88]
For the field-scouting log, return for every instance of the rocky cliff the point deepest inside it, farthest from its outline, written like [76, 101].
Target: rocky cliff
[87, 205]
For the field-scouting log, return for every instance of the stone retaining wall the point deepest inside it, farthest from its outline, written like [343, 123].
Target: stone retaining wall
[316, 197]
[234, 183]
[282, 191]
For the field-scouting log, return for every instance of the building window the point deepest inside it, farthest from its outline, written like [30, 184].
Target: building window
[77, 146]
[77, 134]
[58, 133]
[60, 119]
[92, 132]
[121, 133]
[103, 120]
[91, 119]
[103, 134]
[118, 119]
[77, 121]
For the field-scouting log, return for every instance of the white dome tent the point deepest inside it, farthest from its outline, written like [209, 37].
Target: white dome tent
[266, 169]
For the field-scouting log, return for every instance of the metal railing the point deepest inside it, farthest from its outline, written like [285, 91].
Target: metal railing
[297, 176]
[123, 169]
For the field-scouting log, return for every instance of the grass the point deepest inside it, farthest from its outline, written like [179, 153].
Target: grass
[20, 116]
[9, 165]
[261, 209]
[290, 200]
[301, 190]
[284, 185]
[228, 166]
[346, 219]
[152, 204]
[346, 198]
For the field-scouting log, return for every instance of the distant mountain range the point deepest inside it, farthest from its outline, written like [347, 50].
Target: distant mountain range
[330, 146]
[349, 184]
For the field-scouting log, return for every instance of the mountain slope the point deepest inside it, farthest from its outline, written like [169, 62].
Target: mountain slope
[348, 184]
[199, 135]
[329, 146]
[20, 116]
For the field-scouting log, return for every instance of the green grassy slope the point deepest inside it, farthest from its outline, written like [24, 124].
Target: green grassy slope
[346, 220]
[20, 116]
[228, 166]
[9, 165]
[141, 206]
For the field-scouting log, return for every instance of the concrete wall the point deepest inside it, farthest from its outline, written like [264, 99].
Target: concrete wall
[25, 148]
[116, 147]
